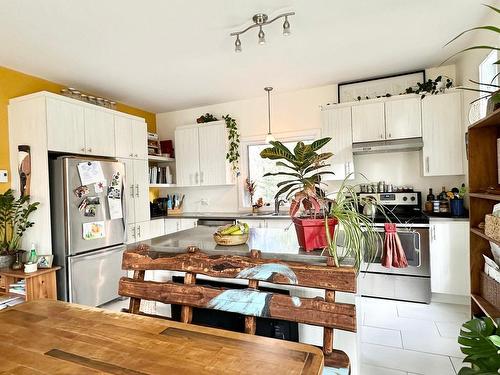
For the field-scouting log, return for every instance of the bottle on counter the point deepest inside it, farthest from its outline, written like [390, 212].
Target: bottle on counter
[442, 196]
[430, 196]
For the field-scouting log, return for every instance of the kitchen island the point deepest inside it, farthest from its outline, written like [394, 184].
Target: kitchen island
[273, 243]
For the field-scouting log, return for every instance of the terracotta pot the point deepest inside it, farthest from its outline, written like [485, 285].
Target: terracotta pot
[311, 233]
[6, 261]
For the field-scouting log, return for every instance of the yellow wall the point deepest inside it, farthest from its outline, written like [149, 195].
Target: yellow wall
[13, 84]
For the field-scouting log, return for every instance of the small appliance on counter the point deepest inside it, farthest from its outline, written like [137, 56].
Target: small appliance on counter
[169, 205]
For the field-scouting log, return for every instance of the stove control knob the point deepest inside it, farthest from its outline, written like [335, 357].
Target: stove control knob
[405, 199]
[412, 199]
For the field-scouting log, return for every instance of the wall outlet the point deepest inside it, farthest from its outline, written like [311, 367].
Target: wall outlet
[204, 202]
[4, 176]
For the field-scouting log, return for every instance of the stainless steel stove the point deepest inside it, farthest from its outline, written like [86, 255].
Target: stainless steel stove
[412, 283]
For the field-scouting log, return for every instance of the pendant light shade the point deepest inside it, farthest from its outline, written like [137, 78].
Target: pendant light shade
[269, 136]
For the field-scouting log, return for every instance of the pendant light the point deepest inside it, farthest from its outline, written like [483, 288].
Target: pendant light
[269, 136]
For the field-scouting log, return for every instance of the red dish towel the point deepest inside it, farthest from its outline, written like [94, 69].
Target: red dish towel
[393, 253]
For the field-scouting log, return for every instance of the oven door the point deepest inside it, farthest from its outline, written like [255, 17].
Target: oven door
[415, 244]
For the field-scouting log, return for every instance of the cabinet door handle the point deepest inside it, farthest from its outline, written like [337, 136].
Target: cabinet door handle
[82, 149]
[89, 149]
[427, 163]
[132, 190]
[136, 155]
[201, 177]
[131, 155]
[139, 231]
[137, 190]
[196, 178]
[390, 135]
[133, 232]
[381, 136]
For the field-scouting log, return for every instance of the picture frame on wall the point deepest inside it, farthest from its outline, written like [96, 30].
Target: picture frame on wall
[378, 87]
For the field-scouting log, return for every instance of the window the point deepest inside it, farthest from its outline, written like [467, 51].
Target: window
[266, 187]
[487, 71]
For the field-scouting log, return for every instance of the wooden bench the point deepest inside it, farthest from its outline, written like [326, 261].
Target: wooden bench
[251, 302]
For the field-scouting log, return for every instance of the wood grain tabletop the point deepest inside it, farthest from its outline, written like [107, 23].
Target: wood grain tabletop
[54, 337]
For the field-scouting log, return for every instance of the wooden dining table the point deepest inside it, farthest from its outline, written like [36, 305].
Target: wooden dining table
[54, 337]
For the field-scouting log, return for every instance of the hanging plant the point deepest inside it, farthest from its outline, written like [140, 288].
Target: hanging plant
[233, 154]
[430, 86]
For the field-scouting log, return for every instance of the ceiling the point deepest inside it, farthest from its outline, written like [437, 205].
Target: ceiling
[163, 55]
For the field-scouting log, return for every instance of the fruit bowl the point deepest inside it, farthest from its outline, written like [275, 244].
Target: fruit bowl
[230, 239]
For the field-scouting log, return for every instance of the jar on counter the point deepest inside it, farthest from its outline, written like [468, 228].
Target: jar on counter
[435, 206]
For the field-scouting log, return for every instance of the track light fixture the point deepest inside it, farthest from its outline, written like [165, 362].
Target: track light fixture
[260, 20]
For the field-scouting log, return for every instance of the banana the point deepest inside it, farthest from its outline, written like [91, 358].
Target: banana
[229, 230]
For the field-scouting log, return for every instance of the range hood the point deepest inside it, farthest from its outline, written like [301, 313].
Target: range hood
[395, 145]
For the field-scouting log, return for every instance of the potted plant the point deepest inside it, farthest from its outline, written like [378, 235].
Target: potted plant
[303, 168]
[480, 341]
[14, 214]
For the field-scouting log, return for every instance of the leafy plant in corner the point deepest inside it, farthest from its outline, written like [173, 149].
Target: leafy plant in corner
[233, 153]
[480, 341]
[207, 117]
[303, 167]
[14, 214]
[493, 95]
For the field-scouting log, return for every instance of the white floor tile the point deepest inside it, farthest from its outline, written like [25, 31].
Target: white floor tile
[458, 364]
[406, 360]
[381, 336]
[382, 320]
[438, 312]
[375, 370]
[431, 343]
[449, 329]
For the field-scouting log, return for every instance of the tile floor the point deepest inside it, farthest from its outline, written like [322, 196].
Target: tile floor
[403, 338]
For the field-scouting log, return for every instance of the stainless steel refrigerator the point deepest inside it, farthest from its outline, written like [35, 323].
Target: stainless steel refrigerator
[88, 227]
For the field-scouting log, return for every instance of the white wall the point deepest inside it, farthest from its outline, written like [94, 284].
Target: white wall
[296, 111]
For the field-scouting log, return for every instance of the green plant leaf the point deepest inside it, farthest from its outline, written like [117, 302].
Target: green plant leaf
[316, 145]
[490, 28]
[481, 351]
[282, 174]
[281, 164]
[275, 153]
[492, 8]
[470, 49]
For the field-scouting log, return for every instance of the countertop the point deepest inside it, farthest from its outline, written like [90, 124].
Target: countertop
[272, 242]
[226, 216]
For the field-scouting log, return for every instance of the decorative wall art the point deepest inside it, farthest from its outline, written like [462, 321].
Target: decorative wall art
[378, 87]
[24, 168]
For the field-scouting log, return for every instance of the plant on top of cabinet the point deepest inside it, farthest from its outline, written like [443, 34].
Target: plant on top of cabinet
[233, 153]
[430, 86]
[207, 117]
[14, 214]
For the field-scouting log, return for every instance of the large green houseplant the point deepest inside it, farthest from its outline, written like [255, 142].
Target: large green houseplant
[315, 223]
[480, 341]
[14, 221]
[492, 93]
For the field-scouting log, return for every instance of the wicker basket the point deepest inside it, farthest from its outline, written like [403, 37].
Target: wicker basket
[230, 239]
[490, 290]
[492, 227]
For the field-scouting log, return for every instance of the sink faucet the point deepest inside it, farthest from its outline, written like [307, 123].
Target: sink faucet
[277, 204]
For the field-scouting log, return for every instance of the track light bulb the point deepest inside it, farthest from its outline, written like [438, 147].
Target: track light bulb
[262, 36]
[286, 27]
[237, 44]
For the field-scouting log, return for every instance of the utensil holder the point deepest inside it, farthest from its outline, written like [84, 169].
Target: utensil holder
[174, 211]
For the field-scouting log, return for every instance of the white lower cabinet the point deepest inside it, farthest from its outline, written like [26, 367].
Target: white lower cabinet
[172, 226]
[138, 232]
[188, 223]
[449, 253]
[157, 228]
[279, 223]
[258, 223]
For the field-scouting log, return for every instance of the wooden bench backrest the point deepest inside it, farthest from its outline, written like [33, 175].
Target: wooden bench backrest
[250, 302]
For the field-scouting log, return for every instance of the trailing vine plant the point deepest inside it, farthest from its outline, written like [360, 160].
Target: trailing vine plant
[233, 154]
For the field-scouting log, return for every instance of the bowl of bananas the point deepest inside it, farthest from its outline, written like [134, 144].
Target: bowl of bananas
[232, 234]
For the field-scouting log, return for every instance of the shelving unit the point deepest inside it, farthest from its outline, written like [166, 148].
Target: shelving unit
[159, 158]
[162, 161]
[162, 185]
[484, 194]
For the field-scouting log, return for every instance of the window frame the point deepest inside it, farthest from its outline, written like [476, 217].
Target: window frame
[293, 136]
[492, 56]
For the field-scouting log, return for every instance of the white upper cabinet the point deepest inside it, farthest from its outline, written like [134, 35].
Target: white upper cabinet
[187, 156]
[99, 132]
[200, 155]
[213, 148]
[337, 125]
[443, 135]
[129, 189]
[403, 118]
[139, 139]
[141, 190]
[130, 138]
[368, 123]
[65, 126]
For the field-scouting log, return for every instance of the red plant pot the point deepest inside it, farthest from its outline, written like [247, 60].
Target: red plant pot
[311, 233]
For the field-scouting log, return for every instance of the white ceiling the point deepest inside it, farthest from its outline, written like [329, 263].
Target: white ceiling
[164, 55]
